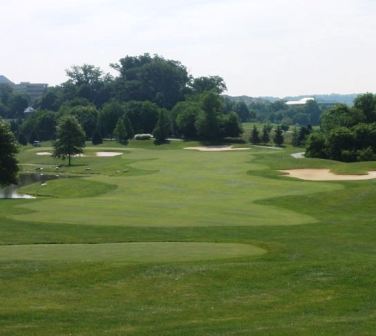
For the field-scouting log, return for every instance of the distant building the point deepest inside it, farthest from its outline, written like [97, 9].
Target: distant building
[302, 101]
[33, 90]
[29, 110]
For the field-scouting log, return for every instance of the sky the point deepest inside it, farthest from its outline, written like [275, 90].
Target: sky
[260, 47]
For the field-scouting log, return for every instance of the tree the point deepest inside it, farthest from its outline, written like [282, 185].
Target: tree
[109, 116]
[207, 122]
[87, 116]
[316, 146]
[89, 82]
[367, 104]
[295, 138]
[162, 129]
[185, 115]
[265, 134]
[278, 138]
[70, 138]
[231, 125]
[151, 78]
[255, 136]
[214, 84]
[120, 132]
[242, 110]
[143, 116]
[128, 126]
[97, 136]
[8, 151]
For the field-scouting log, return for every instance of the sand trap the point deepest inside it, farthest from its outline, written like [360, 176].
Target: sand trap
[268, 147]
[326, 175]
[44, 153]
[216, 148]
[108, 154]
[300, 155]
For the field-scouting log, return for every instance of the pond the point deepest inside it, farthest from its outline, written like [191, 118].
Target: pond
[10, 192]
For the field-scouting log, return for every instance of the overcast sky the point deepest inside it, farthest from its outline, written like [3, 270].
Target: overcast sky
[260, 47]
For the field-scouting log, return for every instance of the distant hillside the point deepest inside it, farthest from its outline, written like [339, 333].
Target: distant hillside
[333, 98]
[4, 80]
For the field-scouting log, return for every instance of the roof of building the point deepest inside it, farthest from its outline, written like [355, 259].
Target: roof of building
[302, 101]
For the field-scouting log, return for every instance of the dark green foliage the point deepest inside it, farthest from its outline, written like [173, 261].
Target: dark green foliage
[243, 112]
[295, 138]
[208, 120]
[367, 104]
[201, 85]
[348, 134]
[151, 78]
[265, 138]
[97, 136]
[40, 125]
[70, 138]
[17, 105]
[88, 82]
[255, 136]
[231, 125]
[109, 116]
[8, 151]
[128, 126]
[278, 137]
[120, 132]
[143, 115]
[163, 127]
[186, 114]
[316, 146]
[87, 116]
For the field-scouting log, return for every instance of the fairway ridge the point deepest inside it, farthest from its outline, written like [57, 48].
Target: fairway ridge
[128, 252]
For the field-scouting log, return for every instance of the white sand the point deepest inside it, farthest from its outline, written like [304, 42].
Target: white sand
[44, 153]
[268, 147]
[326, 175]
[216, 148]
[108, 154]
[300, 155]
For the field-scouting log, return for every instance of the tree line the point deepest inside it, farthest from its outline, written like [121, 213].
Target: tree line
[346, 133]
[150, 94]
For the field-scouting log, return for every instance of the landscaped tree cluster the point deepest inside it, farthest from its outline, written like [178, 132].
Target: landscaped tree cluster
[150, 95]
[347, 134]
[266, 134]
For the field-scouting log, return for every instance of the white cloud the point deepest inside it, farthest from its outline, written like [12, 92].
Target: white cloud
[260, 47]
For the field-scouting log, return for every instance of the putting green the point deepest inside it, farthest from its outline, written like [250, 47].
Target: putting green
[128, 252]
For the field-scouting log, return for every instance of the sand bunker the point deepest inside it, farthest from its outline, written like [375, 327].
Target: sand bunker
[108, 154]
[326, 175]
[300, 155]
[44, 153]
[216, 148]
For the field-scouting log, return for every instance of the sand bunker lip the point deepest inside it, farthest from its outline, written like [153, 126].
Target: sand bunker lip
[326, 175]
[216, 148]
[44, 153]
[108, 154]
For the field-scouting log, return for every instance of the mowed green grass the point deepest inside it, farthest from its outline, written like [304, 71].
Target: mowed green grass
[185, 188]
[127, 252]
[164, 241]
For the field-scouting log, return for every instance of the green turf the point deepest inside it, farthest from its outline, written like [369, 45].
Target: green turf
[300, 260]
[127, 252]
